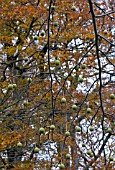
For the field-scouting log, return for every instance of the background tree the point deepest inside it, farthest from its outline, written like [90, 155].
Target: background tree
[57, 90]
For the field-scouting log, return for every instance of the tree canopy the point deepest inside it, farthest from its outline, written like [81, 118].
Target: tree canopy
[57, 84]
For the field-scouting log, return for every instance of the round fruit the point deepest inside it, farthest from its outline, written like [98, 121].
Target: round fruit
[109, 130]
[89, 152]
[100, 38]
[29, 80]
[112, 96]
[91, 155]
[111, 158]
[36, 150]
[73, 8]
[52, 127]
[67, 133]
[62, 166]
[53, 7]
[42, 130]
[74, 107]
[88, 110]
[105, 32]
[10, 86]
[84, 134]
[19, 144]
[91, 128]
[63, 100]
[83, 66]
[78, 129]
[70, 78]
[68, 156]
[26, 59]
[77, 68]
[57, 62]
[35, 38]
[83, 144]
[14, 85]
[25, 103]
[55, 24]
[42, 33]
[81, 80]
[48, 8]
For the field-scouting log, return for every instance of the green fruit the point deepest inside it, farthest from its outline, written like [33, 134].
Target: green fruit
[29, 80]
[57, 62]
[67, 133]
[42, 130]
[48, 8]
[36, 38]
[74, 107]
[100, 38]
[78, 129]
[109, 130]
[70, 78]
[88, 110]
[62, 166]
[53, 7]
[52, 127]
[91, 128]
[111, 158]
[105, 32]
[112, 96]
[63, 100]
[81, 80]
[73, 8]
[89, 152]
[10, 86]
[83, 66]
[55, 24]
[19, 144]
[68, 156]
[83, 144]
[25, 103]
[36, 150]
[84, 134]
[14, 85]
[91, 155]
[77, 68]
[42, 33]
[26, 59]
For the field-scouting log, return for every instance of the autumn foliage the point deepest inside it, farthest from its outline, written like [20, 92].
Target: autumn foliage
[57, 85]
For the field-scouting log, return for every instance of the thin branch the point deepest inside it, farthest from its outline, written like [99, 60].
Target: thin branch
[51, 83]
[102, 10]
[99, 62]
[106, 40]
[103, 15]
[2, 160]
[99, 152]
[31, 25]
[97, 50]
[84, 101]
